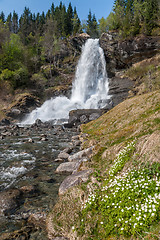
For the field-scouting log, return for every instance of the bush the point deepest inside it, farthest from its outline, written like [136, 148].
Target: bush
[21, 78]
[16, 78]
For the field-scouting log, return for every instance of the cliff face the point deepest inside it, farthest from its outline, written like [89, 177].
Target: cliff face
[121, 54]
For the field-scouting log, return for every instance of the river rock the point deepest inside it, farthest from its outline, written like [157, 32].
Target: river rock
[69, 167]
[68, 150]
[4, 122]
[59, 160]
[73, 180]
[77, 143]
[63, 155]
[86, 153]
[38, 219]
[9, 201]
[76, 137]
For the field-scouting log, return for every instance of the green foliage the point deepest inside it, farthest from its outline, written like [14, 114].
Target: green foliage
[6, 75]
[17, 78]
[12, 54]
[122, 158]
[131, 17]
[21, 77]
[92, 26]
[127, 204]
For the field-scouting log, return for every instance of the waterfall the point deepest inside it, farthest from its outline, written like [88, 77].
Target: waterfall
[89, 90]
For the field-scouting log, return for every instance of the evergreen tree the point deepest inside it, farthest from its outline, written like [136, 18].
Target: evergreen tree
[151, 15]
[25, 24]
[92, 26]
[42, 20]
[52, 11]
[131, 17]
[2, 17]
[69, 20]
[103, 25]
[9, 22]
[15, 22]
[76, 22]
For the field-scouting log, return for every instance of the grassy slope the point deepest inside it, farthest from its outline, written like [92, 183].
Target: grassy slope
[135, 118]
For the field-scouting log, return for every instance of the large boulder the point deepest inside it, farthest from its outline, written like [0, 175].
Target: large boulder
[80, 116]
[69, 167]
[73, 180]
[86, 153]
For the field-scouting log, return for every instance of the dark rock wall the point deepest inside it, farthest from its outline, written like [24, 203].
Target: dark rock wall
[121, 54]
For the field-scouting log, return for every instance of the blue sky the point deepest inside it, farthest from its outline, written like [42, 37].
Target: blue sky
[101, 8]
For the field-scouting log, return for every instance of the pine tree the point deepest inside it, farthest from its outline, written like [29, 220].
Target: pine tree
[15, 22]
[2, 17]
[92, 26]
[9, 22]
[151, 14]
[76, 22]
[52, 11]
[25, 24]
[69, 18]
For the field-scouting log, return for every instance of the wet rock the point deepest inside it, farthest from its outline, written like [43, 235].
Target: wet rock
[73, 180]
[79, 155]
[68, 150]
[77, 143]
[28, 189]
[44, 139]
[69, 167]
[30, 140]
[38, 122]
[76, 137]
[6, 134]
[4, 122]
[14, 113]
[38, 219]
[9, 201]
[58, 160]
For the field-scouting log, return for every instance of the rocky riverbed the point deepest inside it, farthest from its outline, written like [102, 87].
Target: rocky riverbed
[29, 181]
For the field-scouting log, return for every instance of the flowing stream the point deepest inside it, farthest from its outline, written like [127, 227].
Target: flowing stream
[29, 166]
[29, 169]
[89, 90]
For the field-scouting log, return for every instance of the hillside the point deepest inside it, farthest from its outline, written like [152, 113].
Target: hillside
[126, 144]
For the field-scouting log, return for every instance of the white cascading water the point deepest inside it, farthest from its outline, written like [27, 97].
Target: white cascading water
[89, 91]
